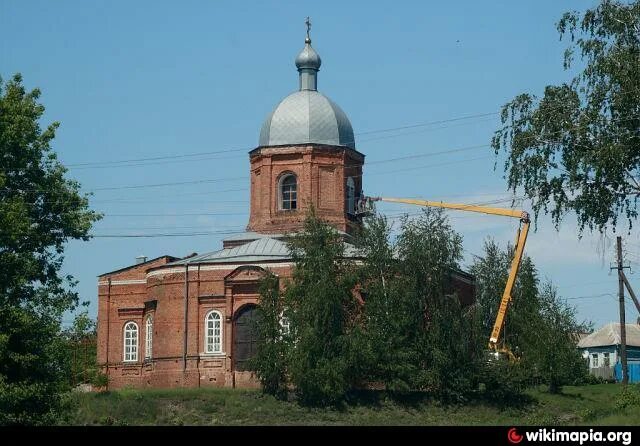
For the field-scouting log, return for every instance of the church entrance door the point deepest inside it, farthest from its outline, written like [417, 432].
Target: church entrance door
[245, 339]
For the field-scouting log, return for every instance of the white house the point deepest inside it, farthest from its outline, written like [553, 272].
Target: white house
[602, 348]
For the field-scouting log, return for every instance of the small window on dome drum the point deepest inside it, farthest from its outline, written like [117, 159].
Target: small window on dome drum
[288, 193]
[351, 196]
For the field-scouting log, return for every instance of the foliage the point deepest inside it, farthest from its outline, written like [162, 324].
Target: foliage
[551, 346]
[584, 405]
[270, 360]
[82, 327]
[394, 321]
[540, 327]
[40, 210]
[491, 271]
[628, 397]
[419, 336]
[578, 147]
[81, 342]
[320, 306]
[503, 382]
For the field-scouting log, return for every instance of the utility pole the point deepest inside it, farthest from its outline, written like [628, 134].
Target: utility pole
[623, 326]
[630, 290]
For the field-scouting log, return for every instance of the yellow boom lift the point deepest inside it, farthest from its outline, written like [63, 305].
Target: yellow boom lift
[521, 239]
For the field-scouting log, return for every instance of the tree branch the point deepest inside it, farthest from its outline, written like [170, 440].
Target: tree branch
[635, 185]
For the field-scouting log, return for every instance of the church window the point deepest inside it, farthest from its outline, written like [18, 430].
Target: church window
[148, 350]
[213, 332]
[288, 193]
[130, 342]
[351, 196]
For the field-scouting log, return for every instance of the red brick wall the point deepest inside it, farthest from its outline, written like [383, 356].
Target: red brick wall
[321, 172]
[225, 288]
[128, 289]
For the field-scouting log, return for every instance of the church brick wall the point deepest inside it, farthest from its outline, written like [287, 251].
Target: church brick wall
[321, 173]
[227, 288]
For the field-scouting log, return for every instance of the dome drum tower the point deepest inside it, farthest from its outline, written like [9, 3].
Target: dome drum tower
[306, 157]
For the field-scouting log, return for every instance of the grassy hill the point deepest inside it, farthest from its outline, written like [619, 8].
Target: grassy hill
[595, 404]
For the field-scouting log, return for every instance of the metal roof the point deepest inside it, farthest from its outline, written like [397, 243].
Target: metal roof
[250, 235]
[119, 270]
[610, 335]
[306, 116]
[308, 58]
[264, 249]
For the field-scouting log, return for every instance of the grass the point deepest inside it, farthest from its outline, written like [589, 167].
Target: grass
[600, 404]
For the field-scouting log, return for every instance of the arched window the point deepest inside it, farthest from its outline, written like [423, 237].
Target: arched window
[130, 342]
[288, 192]
[351, 196]
[148, 347]
[213, 332]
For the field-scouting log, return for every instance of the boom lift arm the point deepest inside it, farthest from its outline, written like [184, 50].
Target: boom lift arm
[521, 239]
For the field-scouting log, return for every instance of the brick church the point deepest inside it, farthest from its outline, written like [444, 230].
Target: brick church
[184, 322]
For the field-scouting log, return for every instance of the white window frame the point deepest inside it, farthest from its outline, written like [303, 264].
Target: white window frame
[210, 345]
[351, 196]
[148, 339]
[130, 342]
[594, 360]
[281, 192]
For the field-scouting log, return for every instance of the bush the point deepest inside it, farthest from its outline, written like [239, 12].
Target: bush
[503, 382]
[629, 397]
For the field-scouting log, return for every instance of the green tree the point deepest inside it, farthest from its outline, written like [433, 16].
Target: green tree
[577, 148]
[81, 340]
[320, 305]
[539, 327]
[491, 273]
[40, 210]
[421, 338]
[552, 352]
[270, 362]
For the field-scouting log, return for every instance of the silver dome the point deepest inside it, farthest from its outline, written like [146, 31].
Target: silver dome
[308, 58]
[307, 116]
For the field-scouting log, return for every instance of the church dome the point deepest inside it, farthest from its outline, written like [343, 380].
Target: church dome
[307, 116]
[308, 58]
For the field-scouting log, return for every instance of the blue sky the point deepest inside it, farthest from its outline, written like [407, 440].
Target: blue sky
[145, 79]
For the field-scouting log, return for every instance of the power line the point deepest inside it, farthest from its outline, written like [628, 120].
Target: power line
[155, 158]
[177, 183]
[215, 180]
[592, 296]
[217, 152]
[138, 161]
[230, 231]
[157, 235]
[441, 121]
[195, 214]
[244, 178]
[425, 155]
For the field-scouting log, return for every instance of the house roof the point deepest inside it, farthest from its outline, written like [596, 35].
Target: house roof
[250, 235]
[610, 335]
[263, 249]
[170, 258]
